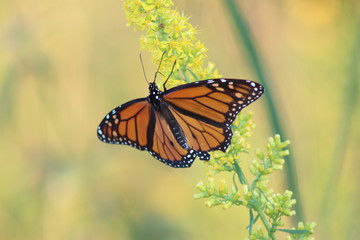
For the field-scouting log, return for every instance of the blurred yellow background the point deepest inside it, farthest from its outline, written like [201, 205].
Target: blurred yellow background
[65, 64]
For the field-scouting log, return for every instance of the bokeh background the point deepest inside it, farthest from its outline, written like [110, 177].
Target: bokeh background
[65, 64]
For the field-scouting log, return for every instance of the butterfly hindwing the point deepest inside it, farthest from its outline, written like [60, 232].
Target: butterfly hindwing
[166, 148]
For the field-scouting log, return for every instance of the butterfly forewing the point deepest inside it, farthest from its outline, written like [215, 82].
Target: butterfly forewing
[206, 109]
[128, 124]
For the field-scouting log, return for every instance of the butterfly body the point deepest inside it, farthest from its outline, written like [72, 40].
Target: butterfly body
[155, 98]
[181, 123]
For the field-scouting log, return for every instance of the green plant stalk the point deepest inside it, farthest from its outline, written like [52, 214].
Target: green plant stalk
[264, 220]
[240, 174]
[258, 209]
[245, 35]
[349, 106]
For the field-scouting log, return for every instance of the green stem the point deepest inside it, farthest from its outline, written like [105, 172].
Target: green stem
[256, 206]
[183, 71]
[258, 209]
[240, 174]
[246, 37]
[349, 106]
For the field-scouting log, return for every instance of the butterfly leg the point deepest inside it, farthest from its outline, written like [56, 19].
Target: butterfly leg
[203, 155]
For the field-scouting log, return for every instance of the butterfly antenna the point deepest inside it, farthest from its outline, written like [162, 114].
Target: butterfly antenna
[142, 65]
[156, 73]
[172, 70]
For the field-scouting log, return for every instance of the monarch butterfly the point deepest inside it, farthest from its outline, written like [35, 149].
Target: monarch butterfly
[183, 122]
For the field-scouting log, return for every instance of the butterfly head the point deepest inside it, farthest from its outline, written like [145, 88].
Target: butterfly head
[155, 95]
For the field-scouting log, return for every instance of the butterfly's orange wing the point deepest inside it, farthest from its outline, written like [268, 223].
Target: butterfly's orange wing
[165, 147]
[206, 109]
[127, 124]
[137, 124]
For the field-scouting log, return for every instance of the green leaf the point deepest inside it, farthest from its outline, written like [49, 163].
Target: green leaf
[294, 231]
[252, 221]
[240, 173]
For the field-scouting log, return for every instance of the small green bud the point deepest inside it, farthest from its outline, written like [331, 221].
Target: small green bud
[260, 155]
[199, 195]
[211, 190]
[287, 212]
[288, 194]
[277, 167]
[245, 189]
[236, 196]
[301, 226]
[261, 168]
[279, 161]
[248, 196]
[201, 186]
[211, 185]
[253, 170]
[211, 202]
[227, 205]
[223, 191]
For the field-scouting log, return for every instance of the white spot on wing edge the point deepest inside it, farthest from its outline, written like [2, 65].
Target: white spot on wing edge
[210, 81]
[252, 84]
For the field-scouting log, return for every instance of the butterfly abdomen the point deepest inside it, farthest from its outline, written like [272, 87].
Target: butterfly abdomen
[174, 126]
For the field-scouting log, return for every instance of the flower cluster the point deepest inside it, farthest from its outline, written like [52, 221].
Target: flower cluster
[267, 163]
[274, 159]
[279, 205]
[168, 30]
[218, 195]
[258, 190]
[255, 195]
